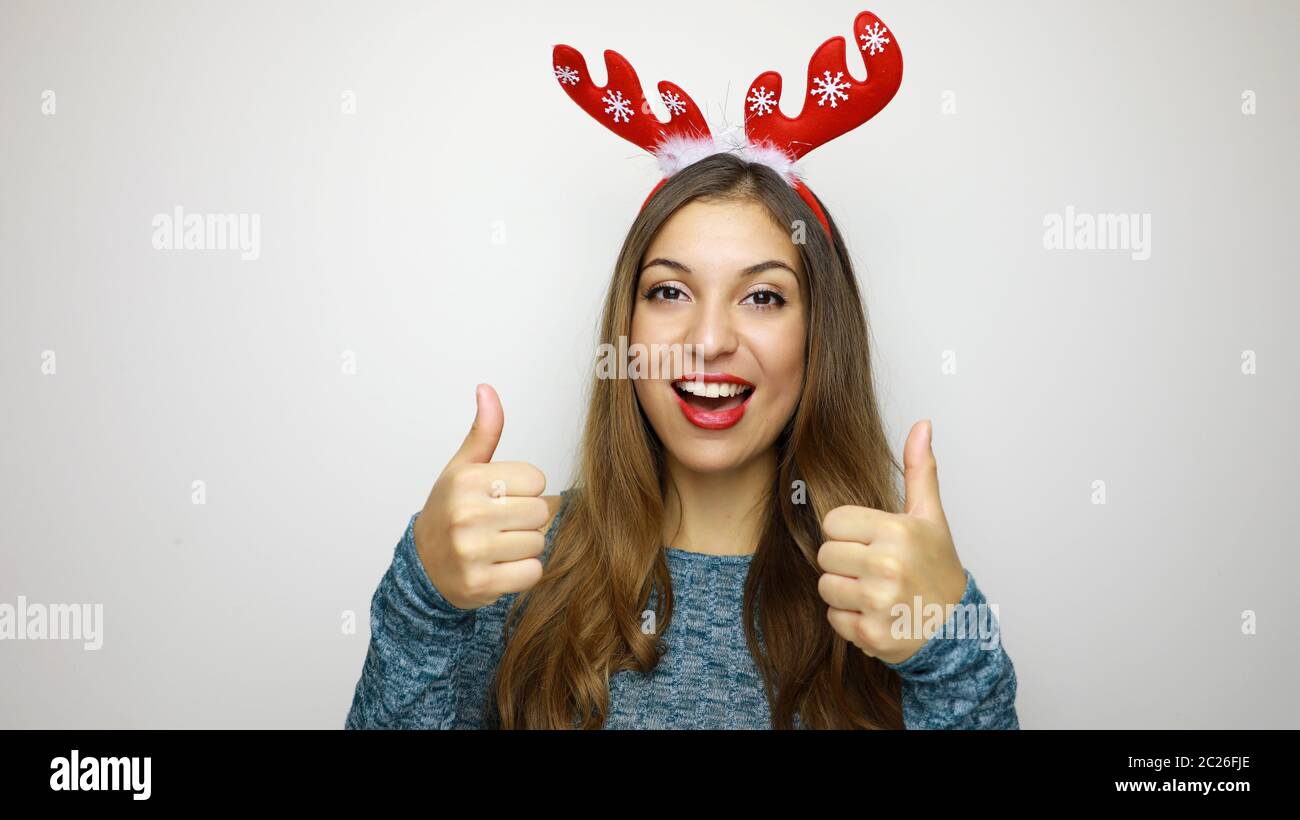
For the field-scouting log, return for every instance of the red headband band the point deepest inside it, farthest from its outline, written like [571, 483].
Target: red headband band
[771, 138]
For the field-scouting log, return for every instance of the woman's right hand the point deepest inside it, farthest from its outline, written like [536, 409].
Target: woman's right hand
[483, 525]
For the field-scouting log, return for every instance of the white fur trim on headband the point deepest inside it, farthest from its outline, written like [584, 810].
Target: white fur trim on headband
[675, 152]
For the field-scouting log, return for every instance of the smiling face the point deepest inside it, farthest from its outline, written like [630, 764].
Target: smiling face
[724, 277]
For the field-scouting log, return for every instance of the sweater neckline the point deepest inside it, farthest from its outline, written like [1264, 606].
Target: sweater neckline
[707, 557]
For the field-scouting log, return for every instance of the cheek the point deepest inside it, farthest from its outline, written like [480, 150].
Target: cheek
[780, 350]
[642, 391]
[658, 324]
[642, 328]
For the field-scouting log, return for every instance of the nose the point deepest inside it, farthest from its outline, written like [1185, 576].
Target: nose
[713, 330]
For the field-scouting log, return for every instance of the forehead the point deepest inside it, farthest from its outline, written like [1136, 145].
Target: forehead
[723, 235]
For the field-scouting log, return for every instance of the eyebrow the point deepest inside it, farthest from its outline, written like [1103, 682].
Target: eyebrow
[749, 271]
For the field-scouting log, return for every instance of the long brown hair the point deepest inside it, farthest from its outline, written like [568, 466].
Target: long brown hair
[581, 623]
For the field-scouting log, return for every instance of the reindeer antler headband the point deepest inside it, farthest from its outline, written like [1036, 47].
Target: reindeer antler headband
[771, 138]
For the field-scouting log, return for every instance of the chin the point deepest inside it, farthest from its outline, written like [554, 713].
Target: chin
[702, 456]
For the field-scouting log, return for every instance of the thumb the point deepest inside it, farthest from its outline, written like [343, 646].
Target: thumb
[481, 442]
[921, 474]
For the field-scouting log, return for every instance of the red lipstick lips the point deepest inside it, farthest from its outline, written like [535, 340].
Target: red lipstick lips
[705, 418]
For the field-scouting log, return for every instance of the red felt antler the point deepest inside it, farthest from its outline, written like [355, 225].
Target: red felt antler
[836, 103]
[620, 104]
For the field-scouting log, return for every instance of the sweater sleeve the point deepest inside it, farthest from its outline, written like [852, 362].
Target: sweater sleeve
[961, 678]
[409, 676]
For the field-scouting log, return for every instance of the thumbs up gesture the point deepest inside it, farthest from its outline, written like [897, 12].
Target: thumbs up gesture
[873, 560]
[483, 525]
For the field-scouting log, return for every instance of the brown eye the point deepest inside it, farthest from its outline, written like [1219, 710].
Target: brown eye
[765, 299]
[664, 293]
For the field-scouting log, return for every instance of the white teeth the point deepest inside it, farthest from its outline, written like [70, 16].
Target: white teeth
[711, 389]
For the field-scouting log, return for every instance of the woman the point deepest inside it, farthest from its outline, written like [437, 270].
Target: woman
[733, 551]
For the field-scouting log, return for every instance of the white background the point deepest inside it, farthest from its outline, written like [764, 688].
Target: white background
[376, 237]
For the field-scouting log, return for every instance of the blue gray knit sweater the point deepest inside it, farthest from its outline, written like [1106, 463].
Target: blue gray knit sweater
[430, 664]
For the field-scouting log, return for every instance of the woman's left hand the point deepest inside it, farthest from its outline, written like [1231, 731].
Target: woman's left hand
[876, 560]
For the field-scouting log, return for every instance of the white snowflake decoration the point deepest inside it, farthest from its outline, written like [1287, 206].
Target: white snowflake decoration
[829, 88]
[675, 104]
[761, 101]
[875, 39]
[617, 105]
[566, 75]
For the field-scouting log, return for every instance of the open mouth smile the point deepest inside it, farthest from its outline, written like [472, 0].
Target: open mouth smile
[713, 401]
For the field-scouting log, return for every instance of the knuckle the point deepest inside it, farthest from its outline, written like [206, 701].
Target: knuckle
[906, 575]
[866, 598]
[839, 519]
[862, 633]
[533, 574]
[881, 597]
[900, 528]
[830, 519]
[879, 633]
[887, 566]
[536, 542]
[535, 477]
[870, 634]
[462, 516]
[463, 550]
[537, 511]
